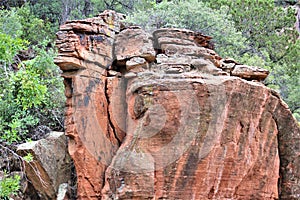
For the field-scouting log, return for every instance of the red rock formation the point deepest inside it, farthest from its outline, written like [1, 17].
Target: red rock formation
[163, 116]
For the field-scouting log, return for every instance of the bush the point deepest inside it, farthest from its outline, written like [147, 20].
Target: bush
[31, 91]
[9, 186]
[31, 96]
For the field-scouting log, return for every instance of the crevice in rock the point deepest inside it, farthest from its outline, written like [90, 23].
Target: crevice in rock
[110, 123]
[281, 157]
[73, 182]
[156, 46]
[119, 65]
[68, 87]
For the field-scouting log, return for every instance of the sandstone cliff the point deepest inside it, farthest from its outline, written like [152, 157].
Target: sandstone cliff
[163, 116]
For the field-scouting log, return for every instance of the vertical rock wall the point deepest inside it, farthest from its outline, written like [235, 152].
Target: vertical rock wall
[85, 53]
[162, 116]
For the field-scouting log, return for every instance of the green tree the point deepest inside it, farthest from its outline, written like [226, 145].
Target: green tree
[30, 86]
[269, 29]
[193, 15]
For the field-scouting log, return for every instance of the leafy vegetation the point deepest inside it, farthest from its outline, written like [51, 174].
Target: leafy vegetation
[30, 85]
[9, 186]
[28, 157]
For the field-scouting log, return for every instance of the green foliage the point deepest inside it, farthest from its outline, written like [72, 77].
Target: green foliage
[10, 23]
[22, 92]
[272, 42]
[28, 157]
[196, 16]
[9, 47]
[51, 110]
[33, 95]
[124, 6]
[31, 92]
[47, 10]
[9, 186]
[267, 27]
[287, 72]
[21, 23]
[35, 30]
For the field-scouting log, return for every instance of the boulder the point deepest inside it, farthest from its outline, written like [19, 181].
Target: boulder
[50, 165]
[134, 42]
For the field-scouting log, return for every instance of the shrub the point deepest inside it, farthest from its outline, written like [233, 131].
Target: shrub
[9, 186]
[31, 91]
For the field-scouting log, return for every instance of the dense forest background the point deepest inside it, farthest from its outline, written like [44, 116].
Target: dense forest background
[255, 32]
[263, 33]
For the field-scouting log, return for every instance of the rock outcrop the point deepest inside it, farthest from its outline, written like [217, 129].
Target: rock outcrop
[163, 116]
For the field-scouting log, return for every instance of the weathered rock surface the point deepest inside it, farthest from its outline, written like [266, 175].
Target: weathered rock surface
[134, 42]
[163, 116]
[50, 166]
[88, 44]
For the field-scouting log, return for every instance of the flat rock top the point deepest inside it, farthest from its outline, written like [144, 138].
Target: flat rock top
[106, 41]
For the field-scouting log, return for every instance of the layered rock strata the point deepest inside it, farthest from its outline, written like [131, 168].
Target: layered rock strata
[163, 116]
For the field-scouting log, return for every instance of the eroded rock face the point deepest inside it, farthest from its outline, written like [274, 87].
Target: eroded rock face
[163, 116]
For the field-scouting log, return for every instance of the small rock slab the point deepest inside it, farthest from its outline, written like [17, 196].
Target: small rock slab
[250, 72]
